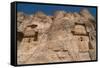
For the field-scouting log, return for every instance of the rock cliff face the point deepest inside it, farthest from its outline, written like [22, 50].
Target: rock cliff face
[63, 37]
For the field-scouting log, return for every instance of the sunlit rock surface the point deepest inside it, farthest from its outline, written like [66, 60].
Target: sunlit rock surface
[62, 37]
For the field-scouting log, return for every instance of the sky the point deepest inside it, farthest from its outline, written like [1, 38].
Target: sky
[49, 9]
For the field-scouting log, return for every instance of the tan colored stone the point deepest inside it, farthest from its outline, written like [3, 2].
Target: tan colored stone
[79, 29]
[62, 37]
[92, 53]
[64, 56]
[59, 14]
[84, 56]
[20, 16]
[83, 43]
[55, 46]
[84, 12]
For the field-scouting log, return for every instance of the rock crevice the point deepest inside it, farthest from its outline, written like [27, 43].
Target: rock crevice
[62, 37]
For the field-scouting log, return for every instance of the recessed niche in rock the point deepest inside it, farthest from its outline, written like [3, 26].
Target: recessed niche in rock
[62, 37]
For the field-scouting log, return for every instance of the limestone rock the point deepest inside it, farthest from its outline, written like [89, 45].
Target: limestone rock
[79, 29]
[20, 16]
[59, 14]
[84, 56]
[62, 37]
[92, 53]
[84, 12]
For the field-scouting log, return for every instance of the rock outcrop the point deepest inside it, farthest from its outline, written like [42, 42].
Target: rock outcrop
[64, 37]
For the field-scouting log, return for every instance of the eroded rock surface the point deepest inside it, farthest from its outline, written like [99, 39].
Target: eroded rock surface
[64, 37]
